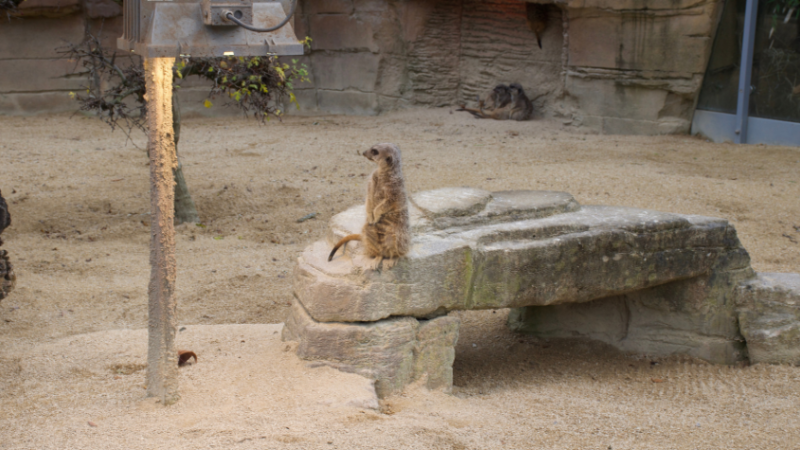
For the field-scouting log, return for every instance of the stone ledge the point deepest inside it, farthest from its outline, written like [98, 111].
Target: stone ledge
[493, 261]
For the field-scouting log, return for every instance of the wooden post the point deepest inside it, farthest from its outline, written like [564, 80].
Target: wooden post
[162, 355]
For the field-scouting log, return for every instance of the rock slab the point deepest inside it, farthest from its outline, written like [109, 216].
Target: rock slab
[394, 352]
[769, 317]
[643, 281]
[506, 250]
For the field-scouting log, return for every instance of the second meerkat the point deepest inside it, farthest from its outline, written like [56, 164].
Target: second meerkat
[386, 234]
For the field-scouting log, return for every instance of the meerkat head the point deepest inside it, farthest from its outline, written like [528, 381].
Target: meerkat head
[500, 88]
[516, 87]
[384, 154]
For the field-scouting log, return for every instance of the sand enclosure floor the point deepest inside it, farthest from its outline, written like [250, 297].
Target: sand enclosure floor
[71, 339]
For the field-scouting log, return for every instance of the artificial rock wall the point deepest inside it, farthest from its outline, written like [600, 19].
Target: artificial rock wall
[617, 66]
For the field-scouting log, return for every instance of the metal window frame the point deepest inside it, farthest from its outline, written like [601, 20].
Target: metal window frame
[740, 127]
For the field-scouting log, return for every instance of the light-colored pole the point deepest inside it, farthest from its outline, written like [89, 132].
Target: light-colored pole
[162, 355]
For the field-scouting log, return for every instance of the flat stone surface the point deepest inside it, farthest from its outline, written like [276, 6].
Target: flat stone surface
[494, 262]
[769, 317]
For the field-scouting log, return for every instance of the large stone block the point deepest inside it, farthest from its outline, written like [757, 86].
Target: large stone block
[36, 103]
[339, 72]
[347, 102]
[695, 317]
[643, 281]
[38, 37]
[340, 32]
[477, 250]
[610, 98]
[48, 8]
[328, 7]
[393, 352]
[37, 75]
[769, 316]
[102, 9]
[641, 39]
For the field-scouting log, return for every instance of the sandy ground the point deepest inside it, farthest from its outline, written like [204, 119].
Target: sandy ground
[71, 340]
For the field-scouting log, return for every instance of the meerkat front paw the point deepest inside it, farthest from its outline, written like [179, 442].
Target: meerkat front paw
[375, 263]
[388, 263]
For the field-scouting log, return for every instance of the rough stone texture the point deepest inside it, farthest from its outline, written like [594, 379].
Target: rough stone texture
[632, 67]
[394, 352]
[629, 67]
[769, 317]
[102, 9]
[519, 249]
[33, 76]
[695, 316]
[643, 281]
[48, 8]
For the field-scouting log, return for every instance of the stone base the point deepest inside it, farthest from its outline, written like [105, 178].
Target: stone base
[393, 352]
[769, 317]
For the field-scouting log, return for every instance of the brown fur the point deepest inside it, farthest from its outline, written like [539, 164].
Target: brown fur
[538, 15]
[520, 107]
[386, 234]
[499, 97]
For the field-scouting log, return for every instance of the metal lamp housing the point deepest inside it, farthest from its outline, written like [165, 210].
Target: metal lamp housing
[158, 29]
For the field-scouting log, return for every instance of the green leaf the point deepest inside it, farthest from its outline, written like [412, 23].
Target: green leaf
[210, 69]
[208, 103]
[219, 238]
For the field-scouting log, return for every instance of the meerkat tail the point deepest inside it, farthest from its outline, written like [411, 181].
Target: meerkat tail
[345, 240]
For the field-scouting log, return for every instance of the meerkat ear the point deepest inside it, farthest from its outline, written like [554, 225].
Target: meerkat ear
[389, 160]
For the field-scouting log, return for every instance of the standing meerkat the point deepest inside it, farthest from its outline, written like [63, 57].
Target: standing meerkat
[386, 234]
[537, 16]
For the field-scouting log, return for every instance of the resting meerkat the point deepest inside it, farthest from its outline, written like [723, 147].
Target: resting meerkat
[386, 235]
[499, 97]
[519, 108]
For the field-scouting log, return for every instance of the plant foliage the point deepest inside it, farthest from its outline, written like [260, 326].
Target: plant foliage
[115, 85]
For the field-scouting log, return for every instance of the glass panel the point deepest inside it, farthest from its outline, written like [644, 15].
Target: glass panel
[776, 62]
[721, 82]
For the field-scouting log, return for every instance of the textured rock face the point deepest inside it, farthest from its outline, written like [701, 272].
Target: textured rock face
[769, 316]
[519, 249]
[629, 67]
[643, 281]
[394, 352]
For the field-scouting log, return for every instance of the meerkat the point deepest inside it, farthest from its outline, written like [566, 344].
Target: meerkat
[519, 108]
[499, 97]
[386, 234]
[538, 16]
